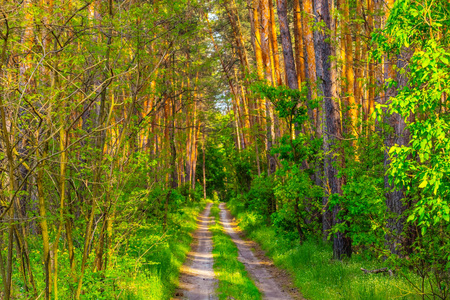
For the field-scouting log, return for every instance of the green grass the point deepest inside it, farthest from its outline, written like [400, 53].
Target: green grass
[146, 266]
[318, 275]
[233, 279]
[160, 269]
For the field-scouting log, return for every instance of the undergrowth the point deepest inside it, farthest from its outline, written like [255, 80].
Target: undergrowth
[154, 273]
[234, 282]
[316, 273]
[143, 264]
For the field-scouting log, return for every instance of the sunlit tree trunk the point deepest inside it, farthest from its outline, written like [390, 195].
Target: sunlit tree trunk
[265, 39]
[265, 48]
[254, 7]
[299, 52]
[310, 61]
[274, 44]
[204, 163]
[359, 65]
[371, 67]
[256, 44]
[348, 73]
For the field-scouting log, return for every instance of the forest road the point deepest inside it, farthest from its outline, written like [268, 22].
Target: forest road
[197, 280]
[274, 284]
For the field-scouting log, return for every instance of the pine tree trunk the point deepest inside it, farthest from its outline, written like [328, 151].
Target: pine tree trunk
[399, 136]
[299, 52]
[274, 45]
[204, 165]
[288, 53]
[325, 85]
[333, 132]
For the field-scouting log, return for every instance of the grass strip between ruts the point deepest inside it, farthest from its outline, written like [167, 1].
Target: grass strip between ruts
[234, 281]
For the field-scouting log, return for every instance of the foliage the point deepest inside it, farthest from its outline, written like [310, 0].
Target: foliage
[363, 212]
[428, 84]
[364, 207]
[260, 196]
[318, 276]
[300, 201]
[290, 104]
[417, 31]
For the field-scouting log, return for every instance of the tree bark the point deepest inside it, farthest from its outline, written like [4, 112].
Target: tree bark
[310, 62]
[325, 88]
[265, 39]
[274, 44]
[399, 136]
[288, 53]
[348, 91]
[204, 164]
[332, 133]
[299, 51]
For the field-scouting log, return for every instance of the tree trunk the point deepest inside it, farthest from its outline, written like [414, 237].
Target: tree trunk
[358, 66]
[204, 165]
[371, 63]
[311, 62]
[299, 52]
[265, 48]
[325, 88]
[399, 136]
[265, 38]
[348, 71]
[288, 53]
[256, 41]
[332, 133]
[274, 44]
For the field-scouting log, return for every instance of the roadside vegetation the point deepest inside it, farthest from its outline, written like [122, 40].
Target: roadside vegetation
[149, 266]
[317, 274]
[144, 260]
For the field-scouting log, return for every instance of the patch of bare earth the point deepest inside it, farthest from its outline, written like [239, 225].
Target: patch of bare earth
[274, 284]
[197, 280]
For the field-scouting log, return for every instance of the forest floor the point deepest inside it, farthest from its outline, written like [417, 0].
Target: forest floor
[197, 279]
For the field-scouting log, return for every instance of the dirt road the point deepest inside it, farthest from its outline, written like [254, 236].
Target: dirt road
[197, 280]
[272, 283]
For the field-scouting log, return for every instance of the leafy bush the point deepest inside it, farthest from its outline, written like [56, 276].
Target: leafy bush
[261, 197]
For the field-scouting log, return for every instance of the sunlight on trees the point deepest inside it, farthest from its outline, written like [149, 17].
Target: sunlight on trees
[326, 121]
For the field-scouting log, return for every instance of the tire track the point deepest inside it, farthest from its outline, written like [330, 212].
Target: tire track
[197, 281]
[263, 272]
